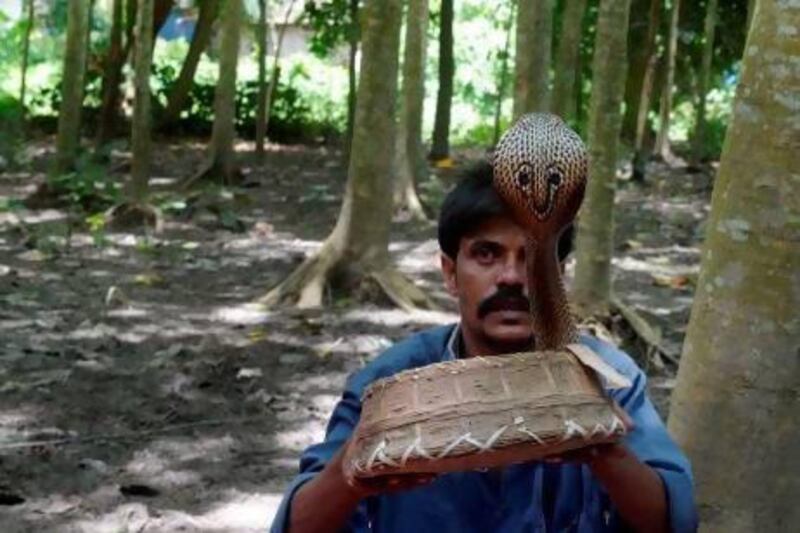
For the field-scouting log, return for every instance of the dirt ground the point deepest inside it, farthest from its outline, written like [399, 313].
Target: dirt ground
[141, 389]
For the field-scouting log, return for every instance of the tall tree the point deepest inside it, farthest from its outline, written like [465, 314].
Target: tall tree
[699, 140]
[440, 144]
[751, 9]
[662, 147]
[532, 72]
[502, 80]
[26, 43]
[261, 108]
[112, 76]
[357, 249]
[69, 115]
[410, 166]
[140, 126]
[567, 61]
[178, 94]
[353, 38]
[736, 400]
[641, 152]
[221, 163]
[592, 287]
[276, 66]
[638, 55]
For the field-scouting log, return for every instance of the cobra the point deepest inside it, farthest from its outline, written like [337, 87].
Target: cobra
[540, 167]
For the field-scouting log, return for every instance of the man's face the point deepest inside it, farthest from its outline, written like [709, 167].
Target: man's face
[488, 277]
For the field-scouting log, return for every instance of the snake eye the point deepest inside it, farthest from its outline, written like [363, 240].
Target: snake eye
[554, 178]
[524, 176]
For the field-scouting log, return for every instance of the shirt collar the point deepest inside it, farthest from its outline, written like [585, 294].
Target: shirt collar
[453, 350]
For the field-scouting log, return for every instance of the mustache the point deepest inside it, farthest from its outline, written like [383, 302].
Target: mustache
[507, 298]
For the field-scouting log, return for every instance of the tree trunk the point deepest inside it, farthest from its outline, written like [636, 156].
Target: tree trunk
[662, 147]
[734, 410]
[440, 145]
[26, 44]
[69, 116]
[112, 77]
[751, 9]
[221, 166]
[502, 82]
[261, 110]
[176, 101]
[357, 249]
[568, 62]
[596, 226]
[276, 67]
[532, 73]
[352, 76]
[410, 167]
[140, 127]
[638, 55]
[699, 140]
[641, 153]
[161, 11]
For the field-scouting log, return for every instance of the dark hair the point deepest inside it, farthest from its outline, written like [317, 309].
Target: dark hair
[470, 203]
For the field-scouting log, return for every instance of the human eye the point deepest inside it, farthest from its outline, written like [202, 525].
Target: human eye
[484, 253]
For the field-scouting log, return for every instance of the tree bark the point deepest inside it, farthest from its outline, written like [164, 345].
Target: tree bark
[161, 11]
[352, 76]
[410, 167]
[662, 147]
[112, 77]
[502, 82]
[532, 73]
[26, 44]
[594, 248]
[568, 62]
[176, 101]
[734, 409]
[641, 153]
[276, 67]
[140, 127]
[638, 55]
[751, 9]
[440, 144]
[357, 249]
[69, 116]
[222, 164]
[699, 138]
[261, 109]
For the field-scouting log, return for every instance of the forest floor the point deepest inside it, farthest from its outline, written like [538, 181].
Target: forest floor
[142, 390]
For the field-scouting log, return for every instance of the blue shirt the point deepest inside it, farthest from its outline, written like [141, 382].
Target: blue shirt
[536, 497]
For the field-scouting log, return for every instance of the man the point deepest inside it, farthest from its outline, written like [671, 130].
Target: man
[641, 484]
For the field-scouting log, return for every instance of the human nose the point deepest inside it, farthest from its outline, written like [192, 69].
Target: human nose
[512, 272]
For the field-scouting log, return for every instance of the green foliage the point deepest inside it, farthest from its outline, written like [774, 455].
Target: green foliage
[89, 187]
[11, 129]
[332, 24]
[303, 109]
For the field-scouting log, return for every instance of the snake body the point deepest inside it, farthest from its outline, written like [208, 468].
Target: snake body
[540, 168]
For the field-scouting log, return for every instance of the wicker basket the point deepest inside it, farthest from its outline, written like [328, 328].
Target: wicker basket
[482, 412]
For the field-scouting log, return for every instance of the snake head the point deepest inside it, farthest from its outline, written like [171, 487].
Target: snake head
[540, 168]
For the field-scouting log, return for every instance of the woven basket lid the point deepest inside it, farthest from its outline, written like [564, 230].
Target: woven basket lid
[482, 412]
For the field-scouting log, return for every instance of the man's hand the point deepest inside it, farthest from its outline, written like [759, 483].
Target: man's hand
[365, 487]
[341, 491]
[633, 486]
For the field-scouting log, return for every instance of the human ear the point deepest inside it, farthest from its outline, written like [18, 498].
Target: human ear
[449, 274]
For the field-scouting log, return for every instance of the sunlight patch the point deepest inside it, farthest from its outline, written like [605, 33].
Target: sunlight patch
[398, 317]
[249, 313]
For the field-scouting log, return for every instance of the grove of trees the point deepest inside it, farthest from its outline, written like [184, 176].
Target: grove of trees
[402, 90]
